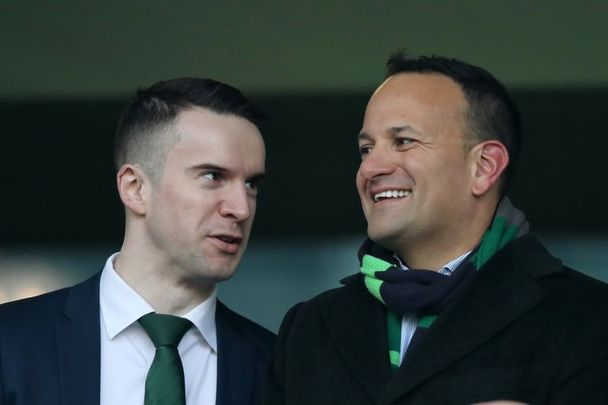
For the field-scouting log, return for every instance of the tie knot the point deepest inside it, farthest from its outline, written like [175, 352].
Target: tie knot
[164, 330]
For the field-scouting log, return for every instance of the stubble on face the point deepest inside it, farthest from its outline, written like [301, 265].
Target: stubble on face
[203, 195]
[428, 162]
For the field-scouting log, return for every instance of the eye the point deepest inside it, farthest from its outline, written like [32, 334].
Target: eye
[211, 175]
[404, 143]
[364, 149]
[254, 184]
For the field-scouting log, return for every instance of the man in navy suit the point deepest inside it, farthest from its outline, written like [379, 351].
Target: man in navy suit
[189, 159]
[455, 301]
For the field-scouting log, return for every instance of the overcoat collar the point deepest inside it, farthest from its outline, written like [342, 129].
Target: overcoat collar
[357, 325]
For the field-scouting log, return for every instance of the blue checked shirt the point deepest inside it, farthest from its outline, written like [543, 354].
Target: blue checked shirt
[409, 321]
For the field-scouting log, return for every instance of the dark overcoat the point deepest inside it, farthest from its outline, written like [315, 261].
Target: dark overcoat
[526, 329]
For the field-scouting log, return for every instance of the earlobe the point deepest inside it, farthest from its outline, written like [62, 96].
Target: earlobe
[130, 181]
[492, 159]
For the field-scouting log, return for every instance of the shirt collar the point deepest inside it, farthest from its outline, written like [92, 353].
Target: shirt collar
[203, 317]
[452, 265]
[121, 306]
[446, 269]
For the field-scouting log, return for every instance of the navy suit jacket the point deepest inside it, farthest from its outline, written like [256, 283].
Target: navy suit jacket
[50, 350]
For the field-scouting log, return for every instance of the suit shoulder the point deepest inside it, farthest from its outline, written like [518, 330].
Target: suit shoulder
[353, 287]
[585, 290]
[310, 312]
[245, 326]
[583, 280]
[562, 284]
[45, 306]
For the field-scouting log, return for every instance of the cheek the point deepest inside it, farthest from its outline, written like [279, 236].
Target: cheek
[452, 184]
[360, 183]
[253, 205]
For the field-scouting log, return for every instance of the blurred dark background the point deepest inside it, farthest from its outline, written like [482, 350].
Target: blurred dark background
[68, 68]
[59, 185]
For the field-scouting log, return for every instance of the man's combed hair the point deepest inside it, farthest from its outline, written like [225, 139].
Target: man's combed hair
[492, 114]
[146, 127]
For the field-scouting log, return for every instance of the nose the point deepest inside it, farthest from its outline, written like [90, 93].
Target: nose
[235, 204]
[376, 163]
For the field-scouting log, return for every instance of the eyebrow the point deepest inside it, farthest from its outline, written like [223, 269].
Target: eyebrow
[258, 178]
[364, 136]
[393, 131]
[210, 166]
[404, 128]
[207, 166]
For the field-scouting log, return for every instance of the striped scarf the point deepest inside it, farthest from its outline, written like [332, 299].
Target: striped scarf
[426, 292]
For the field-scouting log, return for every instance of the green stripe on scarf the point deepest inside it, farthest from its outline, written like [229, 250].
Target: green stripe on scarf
[426, 321]
[509, 223]
[495, 238]
[370, 265]
[393, 328]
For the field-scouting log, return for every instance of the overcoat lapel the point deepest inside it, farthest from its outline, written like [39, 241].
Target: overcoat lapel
[357, 326]
[78, 344]
[235, 373]
[504, 290]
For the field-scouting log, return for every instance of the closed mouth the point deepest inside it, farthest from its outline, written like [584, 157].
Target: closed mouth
[228, 238]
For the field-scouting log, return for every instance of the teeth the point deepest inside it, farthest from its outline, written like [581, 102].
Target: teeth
[391, 194]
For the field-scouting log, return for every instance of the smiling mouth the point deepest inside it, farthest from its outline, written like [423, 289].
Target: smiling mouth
[390, 194]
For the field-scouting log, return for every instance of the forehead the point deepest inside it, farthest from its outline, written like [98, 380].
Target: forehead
[410, 92]
[428, 88]
[222, 139]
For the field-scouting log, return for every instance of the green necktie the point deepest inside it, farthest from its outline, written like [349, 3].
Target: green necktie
[165, 380]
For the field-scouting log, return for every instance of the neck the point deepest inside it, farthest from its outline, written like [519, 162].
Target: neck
[436, 249]
[158, 281]
[426, 257]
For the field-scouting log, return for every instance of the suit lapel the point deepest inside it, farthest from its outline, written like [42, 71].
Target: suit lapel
[357, 326]
[78, 337]
[504, 290]
[235, 376]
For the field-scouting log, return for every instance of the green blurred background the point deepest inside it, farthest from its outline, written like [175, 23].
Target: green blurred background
[68, 67]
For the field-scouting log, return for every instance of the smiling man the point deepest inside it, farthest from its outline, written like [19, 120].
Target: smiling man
[148, 328]
[455, 302]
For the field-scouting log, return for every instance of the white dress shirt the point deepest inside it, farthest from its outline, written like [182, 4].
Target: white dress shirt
[127, 351]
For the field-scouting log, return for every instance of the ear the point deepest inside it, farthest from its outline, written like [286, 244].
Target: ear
[132, 183]
[491, 160]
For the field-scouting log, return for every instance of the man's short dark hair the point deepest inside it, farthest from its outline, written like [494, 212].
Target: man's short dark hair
[146, 127]
[492, 114]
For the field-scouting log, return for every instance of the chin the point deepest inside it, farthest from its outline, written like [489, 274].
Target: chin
[385, 239]
[380, 232]
[221, 273]
[210, 277]
[219, 278]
